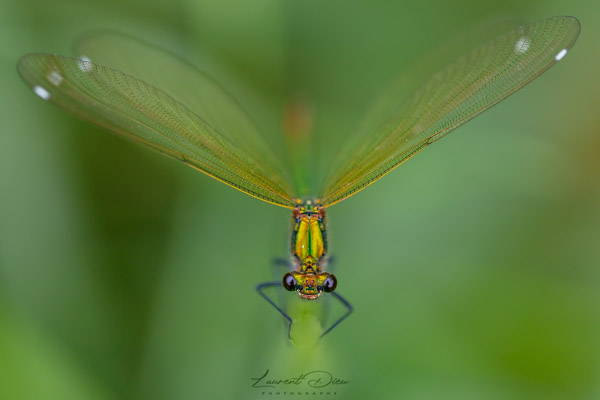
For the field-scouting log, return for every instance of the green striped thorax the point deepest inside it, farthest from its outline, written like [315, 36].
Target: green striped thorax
[309, 248]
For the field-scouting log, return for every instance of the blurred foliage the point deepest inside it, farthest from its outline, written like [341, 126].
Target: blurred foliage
[474, 269]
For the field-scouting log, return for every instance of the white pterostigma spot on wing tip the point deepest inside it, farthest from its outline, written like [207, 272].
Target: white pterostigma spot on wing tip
[40, 91]
[522, 45]
[55, 78]
[560, 54]
[85, 64]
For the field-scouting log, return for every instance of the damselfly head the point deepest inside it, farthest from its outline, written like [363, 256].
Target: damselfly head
[309, 285]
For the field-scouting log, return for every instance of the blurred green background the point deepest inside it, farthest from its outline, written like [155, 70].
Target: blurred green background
[126, 275]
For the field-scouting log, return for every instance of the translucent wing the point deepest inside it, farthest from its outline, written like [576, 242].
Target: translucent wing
[463, 89]
[156, 99]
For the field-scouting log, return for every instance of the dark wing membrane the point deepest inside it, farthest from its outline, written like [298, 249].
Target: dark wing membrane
[148, 115]
[471, 84]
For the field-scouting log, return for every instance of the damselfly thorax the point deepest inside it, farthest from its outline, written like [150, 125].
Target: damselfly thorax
[309, 251]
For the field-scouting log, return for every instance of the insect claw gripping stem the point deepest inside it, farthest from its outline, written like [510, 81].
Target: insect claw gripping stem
[345, 303]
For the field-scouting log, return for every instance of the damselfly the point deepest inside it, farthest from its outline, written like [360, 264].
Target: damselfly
[155, 99]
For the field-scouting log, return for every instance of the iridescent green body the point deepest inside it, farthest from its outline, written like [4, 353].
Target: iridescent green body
[309, 237]
[309, 248]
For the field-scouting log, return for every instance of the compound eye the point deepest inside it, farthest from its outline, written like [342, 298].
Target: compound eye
[289, 282]
[330, 283]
